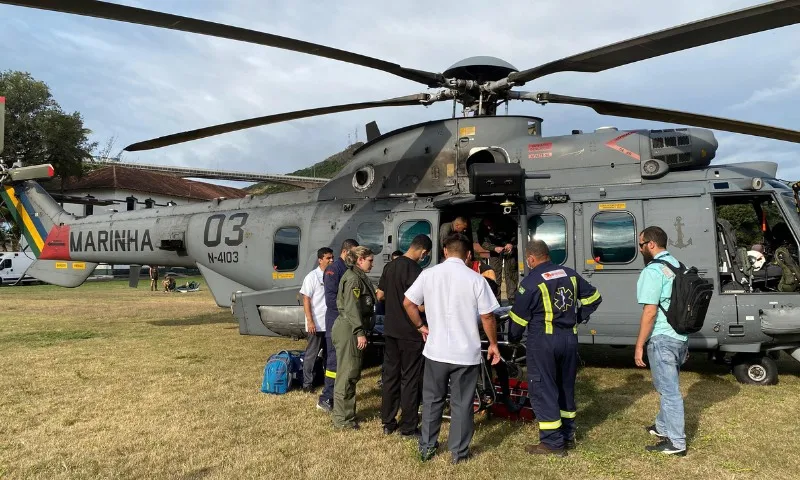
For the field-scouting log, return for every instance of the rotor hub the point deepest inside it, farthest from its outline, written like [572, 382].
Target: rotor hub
[480, 69]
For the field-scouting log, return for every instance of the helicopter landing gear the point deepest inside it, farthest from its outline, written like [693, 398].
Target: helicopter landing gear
[755, 369]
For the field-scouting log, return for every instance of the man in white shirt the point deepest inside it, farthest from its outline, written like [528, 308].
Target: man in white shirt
[455, 297]
[313, 292]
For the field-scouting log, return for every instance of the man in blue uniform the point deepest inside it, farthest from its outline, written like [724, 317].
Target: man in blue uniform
[550, 302]
[330, 280]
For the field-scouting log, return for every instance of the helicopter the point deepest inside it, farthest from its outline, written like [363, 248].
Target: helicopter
[587, 195]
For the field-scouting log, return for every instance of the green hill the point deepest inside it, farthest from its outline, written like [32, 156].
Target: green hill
[327, 168]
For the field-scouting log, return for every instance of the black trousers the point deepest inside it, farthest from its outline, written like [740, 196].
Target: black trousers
[402, 383]
[330, 370]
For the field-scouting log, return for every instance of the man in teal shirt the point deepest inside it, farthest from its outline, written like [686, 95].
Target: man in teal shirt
[666, 349]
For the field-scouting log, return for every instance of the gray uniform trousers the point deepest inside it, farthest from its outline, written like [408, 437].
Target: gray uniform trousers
[316, 343]
[463, 380]
[508, 275]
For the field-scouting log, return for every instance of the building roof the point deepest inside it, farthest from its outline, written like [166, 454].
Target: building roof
[144, 181]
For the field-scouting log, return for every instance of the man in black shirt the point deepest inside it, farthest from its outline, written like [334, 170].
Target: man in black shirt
[380, 308]
[402, 358]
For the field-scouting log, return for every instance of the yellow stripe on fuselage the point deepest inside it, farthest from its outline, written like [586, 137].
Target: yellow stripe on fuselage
[26, 219]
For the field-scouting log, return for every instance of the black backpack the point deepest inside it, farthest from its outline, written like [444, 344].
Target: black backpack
[688, 304]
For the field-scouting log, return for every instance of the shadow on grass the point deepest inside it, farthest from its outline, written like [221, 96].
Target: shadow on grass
[47, 338]
[610, 402]
[208, 319]
[366, 391]
[604, 356]
[703, 394]
[492, 432]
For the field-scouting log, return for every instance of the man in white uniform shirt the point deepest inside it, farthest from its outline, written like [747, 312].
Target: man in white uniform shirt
[313, 292]
[455, 297]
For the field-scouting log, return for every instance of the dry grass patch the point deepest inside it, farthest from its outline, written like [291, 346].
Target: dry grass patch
[107, 381]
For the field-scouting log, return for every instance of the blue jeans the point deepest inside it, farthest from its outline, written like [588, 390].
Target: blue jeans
[666, 356]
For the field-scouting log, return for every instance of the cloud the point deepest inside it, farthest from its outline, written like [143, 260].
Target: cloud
[135, 82]
[739, 148]
[787, 83]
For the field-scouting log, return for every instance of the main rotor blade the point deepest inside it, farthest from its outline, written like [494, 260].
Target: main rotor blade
[714, 29]
[605, 107]
[141, 16]
[418, 99]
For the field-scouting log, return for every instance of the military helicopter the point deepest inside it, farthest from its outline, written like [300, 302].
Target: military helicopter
[586, 194]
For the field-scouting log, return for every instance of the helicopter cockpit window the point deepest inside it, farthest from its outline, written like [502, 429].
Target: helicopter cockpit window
[552, 230]
[406, 233]
[5, 264]
[370, 234]
[286, 250]
[757, 249]
[614, 238]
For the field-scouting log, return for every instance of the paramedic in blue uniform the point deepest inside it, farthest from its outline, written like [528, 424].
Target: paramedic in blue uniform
[550, 302]
[333, 274]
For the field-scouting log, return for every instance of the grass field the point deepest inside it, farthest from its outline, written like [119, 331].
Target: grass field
[108, 381]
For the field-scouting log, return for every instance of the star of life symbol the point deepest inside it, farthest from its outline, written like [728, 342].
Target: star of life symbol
[563, 299]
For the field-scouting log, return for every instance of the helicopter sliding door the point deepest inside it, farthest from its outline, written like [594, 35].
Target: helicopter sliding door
[407, 225]
[607, 248]
[554, 226]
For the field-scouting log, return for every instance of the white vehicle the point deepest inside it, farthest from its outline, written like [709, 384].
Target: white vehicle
[13, 266]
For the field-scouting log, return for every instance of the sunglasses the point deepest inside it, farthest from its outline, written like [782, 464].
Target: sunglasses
[642, 244]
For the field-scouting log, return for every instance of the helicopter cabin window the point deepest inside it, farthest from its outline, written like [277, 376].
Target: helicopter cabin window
[757, 250]
[614, 238]
[406, 233]
[552, 230]
[286, 250]
[370, 234]
[5, 264]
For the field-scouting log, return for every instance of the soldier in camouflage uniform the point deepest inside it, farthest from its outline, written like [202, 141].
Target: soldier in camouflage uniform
[356, 304]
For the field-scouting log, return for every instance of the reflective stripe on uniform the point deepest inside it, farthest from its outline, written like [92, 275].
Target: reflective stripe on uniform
[517, 319]
[550, 425]
[565, 414]
[591, 299]
[548, 309]
[575, 292]
[330, 374]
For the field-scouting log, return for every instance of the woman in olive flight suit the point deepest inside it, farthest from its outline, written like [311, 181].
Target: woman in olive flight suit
[356, 303]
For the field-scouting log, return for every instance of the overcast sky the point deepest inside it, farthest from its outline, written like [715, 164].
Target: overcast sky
[134, 82]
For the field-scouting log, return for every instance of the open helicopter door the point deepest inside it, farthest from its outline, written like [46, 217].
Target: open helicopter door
[608, 257]
[407, 225]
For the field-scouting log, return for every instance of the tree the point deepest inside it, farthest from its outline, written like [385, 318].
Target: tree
[10, 234]
[38, 130]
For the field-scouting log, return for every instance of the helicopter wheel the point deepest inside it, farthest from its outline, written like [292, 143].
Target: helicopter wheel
[755, 369]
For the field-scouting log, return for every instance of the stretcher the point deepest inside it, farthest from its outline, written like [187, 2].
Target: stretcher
[510, 369]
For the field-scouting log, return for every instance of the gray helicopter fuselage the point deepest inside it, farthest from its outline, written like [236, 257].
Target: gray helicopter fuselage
[604, 188]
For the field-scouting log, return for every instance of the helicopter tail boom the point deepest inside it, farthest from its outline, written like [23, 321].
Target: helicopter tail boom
[38, 216]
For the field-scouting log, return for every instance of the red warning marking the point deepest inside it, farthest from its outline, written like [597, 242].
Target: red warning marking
[56, 245]
[613, 145]
[2, 99]
[535, 147]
